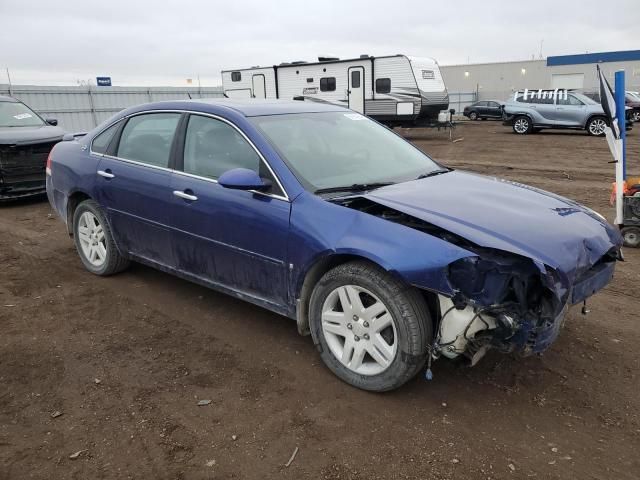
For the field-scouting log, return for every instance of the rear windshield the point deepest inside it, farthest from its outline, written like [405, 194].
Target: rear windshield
[15, 114]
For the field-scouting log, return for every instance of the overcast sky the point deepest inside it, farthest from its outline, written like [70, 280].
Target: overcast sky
[143, 42]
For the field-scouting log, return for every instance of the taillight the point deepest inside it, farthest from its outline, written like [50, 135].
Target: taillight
[48, 169]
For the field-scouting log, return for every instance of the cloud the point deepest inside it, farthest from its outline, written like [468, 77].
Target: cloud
[153, 43]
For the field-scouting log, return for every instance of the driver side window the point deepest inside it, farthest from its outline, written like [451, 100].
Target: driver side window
[212, 147]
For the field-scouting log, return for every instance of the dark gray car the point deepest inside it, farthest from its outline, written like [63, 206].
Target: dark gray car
[25, 142]
[531, 111]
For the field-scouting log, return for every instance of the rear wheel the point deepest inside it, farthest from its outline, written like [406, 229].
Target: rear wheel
[94, 242]
[631, 236]
[636, 116]
[473, 116]
[522, 125]
[372, 330]
[596, 126]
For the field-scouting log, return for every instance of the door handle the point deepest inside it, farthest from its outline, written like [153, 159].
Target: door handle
[106, 174]
[185, 196]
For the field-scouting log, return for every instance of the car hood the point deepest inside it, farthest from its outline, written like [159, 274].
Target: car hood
[495, 213]
[27, 135]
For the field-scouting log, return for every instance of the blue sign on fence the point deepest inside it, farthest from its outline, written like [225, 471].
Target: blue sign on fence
[103, 81]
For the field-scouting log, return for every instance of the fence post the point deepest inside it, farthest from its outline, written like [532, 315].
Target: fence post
[92, 107]
[149, 95]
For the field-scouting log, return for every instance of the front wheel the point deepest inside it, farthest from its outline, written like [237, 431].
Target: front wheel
[596, 126]
[372, 331]
[94, 242]
[473, 116]
[522, 125]
[635, 116]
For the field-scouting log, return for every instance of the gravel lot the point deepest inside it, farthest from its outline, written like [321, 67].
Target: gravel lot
[126, 359]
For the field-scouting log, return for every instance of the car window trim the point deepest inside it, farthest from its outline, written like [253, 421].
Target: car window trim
[182, 132]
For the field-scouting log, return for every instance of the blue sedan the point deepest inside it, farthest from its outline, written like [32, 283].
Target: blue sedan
[386, 258]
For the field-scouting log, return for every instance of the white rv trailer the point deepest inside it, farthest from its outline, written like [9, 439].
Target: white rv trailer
[395, 90]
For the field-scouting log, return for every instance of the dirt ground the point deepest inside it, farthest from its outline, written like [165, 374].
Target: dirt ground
[126, 360]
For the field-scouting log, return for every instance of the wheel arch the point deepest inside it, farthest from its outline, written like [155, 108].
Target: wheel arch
[73, 200]
[595, 115]
[329, 261]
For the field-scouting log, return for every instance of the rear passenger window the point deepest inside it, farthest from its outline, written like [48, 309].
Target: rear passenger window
[101, 142]
[570, 100]
[147, 138]
[383, 85]
[328, 84]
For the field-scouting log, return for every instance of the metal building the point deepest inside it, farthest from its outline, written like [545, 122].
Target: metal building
[484, 81]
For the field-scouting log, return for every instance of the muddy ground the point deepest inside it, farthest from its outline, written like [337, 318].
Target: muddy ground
[126, 359]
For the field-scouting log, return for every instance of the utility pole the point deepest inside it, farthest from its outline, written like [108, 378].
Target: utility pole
[9, 77]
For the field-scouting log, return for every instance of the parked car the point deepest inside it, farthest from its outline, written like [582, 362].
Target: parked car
[630, 108]
[531, 111]
[633, 102]
[318, 213]
[25, 141]
[483, 110]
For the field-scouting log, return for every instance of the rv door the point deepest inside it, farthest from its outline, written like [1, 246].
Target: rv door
[259, 87]
[355, 93]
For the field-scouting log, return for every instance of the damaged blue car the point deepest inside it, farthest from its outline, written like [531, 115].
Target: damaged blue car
[386, 258]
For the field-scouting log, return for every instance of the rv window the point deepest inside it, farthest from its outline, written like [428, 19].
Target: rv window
[310, 80]
[236, 76]
[428, 75]
[383, 85]
[328, 84]
[355, 79]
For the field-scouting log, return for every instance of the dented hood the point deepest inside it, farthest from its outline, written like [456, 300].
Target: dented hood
[495, 213]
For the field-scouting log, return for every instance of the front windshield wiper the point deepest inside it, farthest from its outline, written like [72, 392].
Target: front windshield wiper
[356, 187]
[433, 173]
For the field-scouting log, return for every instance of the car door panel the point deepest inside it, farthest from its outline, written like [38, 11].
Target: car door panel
[136, 199]
[233, 238]
[570, 112]
[132, 184]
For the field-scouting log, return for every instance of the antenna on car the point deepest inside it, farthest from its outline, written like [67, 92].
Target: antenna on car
[189, 95]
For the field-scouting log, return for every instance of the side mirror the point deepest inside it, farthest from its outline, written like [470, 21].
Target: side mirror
[243, 179]
[52, 121]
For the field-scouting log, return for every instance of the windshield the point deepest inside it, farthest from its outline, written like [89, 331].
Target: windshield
[16, 114]
[338, 149]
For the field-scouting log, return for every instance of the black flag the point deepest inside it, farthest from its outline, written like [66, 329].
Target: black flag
[608, 103]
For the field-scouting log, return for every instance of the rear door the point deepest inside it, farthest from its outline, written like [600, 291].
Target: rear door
[355, 92]
[233, 238]
[259, 86]
[132, 184]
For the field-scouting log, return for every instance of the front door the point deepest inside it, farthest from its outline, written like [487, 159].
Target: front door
[259, 87]
[132, 185]
[356, 89]
[231, 238]
[570, 111]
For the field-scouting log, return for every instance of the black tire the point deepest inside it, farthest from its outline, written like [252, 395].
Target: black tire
[631, 236]
[522, 125]
[595, 132]
[473, 116]
[114, 262]
[405, 304]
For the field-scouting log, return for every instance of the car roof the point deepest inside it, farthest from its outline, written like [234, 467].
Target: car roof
[246, 107]
[4, 98]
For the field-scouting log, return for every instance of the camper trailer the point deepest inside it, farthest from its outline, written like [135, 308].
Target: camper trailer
[396, 90]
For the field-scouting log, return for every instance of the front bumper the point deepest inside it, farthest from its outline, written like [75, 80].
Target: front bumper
[21, 190]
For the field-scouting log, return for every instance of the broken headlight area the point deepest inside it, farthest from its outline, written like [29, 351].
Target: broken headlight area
[502, 301]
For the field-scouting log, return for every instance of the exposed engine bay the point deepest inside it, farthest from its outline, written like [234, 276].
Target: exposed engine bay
[501, 300]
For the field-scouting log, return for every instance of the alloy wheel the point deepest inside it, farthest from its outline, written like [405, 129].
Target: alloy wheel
[92, 239]
[521, 125]
[359, 330]
[597, 126]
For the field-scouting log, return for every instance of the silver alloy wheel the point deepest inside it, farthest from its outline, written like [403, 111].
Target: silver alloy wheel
[631, 238]
[636, 116]
[92, 239]
[597, 126]
[473, 116]
[359, 330]
[521, 125]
